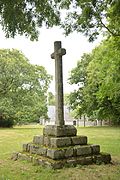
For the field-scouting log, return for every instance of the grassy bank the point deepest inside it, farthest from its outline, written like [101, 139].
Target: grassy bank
[11, 140]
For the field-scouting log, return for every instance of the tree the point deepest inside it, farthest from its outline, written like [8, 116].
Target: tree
[90, 17]
[99, 96]
[23, 88]
[103, 80]
[25, 16]
[51, 99]
[78, 76]
[86, 16]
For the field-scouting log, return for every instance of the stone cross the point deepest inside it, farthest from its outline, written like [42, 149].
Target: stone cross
[57, 55]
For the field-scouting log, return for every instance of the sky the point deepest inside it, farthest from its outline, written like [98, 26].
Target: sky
[39, 52]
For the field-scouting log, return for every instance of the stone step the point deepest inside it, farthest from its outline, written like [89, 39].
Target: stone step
[61, 153]
[70, 162]
[57, 142]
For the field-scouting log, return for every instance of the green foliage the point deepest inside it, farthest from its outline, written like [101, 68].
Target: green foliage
[25, 16]
[78, 76]
[90, 17]
[23, 88]
[6, 122]
[99, 94]
[51, 99]
[86, 16]
[104, 80]
[66, 99]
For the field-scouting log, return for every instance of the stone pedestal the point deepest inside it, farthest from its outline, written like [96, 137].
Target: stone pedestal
[59, 131]
[59, 146]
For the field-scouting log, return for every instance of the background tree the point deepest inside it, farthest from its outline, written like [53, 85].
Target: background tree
[66, 99]
[51, 99]
[78, 76]
[23, 88]
[103, 80]
[99, 96]
[87, 16]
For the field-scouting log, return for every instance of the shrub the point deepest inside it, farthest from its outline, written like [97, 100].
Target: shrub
[6, 123]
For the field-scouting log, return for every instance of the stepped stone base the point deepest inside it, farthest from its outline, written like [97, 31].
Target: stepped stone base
[59, 147]
[69, 162]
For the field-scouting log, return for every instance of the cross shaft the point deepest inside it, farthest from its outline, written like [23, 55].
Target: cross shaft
[59, 102]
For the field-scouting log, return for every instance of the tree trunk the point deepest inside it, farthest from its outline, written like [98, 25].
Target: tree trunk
[109, 122]
[101, 122]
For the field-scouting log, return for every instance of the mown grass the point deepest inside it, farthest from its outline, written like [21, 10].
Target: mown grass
[11, 140]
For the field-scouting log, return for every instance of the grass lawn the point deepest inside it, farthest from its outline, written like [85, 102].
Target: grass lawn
[11, 140]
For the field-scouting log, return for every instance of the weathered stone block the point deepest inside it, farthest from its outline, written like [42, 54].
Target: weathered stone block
[21, 156]
[58, 165]
[83, 150]
[48, 164]
[24, 157]
[97, 159]
[69, 152]
[106, 158]
[60, 142]
[33, 149]
[84, 160]
[55, 154]
[42, 151]
[71, 162]
[41, 162]
[79, 140]
[46, 141]
[95, 149]
[25, 147]
[14, 156]
[102, 158]
[38, 139]
[28, 147]
[59, 131]
[88, 160]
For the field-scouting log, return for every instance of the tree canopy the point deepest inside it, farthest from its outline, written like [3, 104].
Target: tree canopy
[23, 88]
[98, 78]
[86, 16]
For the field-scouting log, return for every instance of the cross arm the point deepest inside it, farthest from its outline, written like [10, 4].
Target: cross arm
[60, 52]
